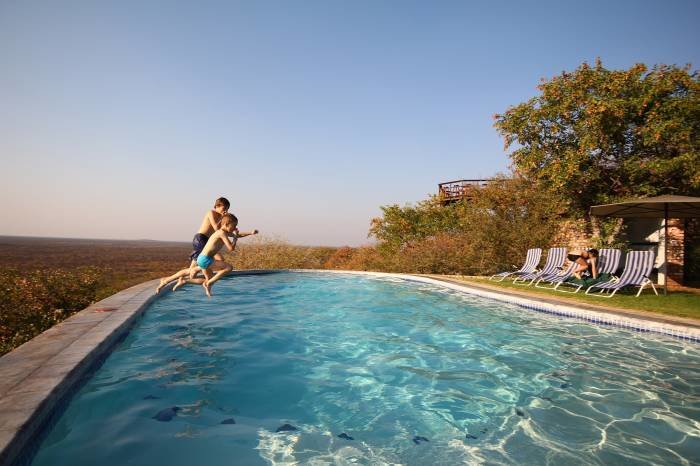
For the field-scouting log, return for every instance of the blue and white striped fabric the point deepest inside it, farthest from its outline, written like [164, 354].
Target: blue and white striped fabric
[637, 269]
[531, 261]
[608, 261]
[555, 261]
[558, 277]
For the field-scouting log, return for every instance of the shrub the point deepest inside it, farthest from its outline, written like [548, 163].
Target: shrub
[274, 253]
[34, 301]
[489, 231]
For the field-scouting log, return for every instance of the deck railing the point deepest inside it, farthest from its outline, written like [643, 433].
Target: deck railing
[459, 189]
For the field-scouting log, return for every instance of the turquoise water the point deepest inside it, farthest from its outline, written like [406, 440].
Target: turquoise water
[410, 373]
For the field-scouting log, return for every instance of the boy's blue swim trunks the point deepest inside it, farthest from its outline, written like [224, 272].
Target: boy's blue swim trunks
[204, 261]
[198, 243]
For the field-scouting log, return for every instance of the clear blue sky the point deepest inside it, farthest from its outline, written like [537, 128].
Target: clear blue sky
[126, 119]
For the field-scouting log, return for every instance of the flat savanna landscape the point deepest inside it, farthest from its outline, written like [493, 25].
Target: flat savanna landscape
[45, 280]
[128, 261]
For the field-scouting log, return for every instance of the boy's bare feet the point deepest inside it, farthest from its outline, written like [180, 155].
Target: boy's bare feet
[207, 288]
[162, 284]
[180, 282]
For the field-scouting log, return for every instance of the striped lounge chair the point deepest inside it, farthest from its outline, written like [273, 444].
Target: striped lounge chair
[608, 262]
[553, 266]
[637, 270]
[531, 261]
[555, 279]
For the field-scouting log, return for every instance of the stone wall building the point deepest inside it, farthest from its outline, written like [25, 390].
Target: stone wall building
[683, 263]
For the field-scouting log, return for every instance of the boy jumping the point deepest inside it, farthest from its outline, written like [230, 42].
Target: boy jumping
[210, 223]
[207, 258]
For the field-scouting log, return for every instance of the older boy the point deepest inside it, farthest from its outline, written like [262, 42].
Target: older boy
[210, 223]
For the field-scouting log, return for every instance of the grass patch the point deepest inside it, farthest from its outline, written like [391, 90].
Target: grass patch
[676, 303]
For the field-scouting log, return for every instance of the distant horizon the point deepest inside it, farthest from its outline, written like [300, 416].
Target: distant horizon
[127, 119]
[91, 239]
[186, 243]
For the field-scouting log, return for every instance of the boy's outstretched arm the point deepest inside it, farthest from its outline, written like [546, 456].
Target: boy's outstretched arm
[243, 234]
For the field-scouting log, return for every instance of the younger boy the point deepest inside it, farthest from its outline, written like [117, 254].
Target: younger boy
[210, 223]
[207, 258]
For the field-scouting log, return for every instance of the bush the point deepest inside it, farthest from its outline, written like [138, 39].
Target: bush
[361, 258]
[272, 253]
[489, 231]
[33, 302]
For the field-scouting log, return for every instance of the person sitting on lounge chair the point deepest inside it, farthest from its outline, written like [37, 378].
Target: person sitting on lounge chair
[586, 265]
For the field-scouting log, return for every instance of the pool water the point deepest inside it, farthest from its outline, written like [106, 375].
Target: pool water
[377, 371]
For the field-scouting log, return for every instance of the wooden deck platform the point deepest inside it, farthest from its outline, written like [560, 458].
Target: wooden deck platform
[452, 191]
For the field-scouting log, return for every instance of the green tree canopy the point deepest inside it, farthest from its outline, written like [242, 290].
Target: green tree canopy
[595, 135]
[490, 230]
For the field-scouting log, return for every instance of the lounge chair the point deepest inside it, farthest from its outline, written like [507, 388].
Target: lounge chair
[531, 261]
[608, 262]
[556, 278]
[637, 270]
[553, 266]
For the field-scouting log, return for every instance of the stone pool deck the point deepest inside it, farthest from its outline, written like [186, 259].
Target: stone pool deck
[40, 375]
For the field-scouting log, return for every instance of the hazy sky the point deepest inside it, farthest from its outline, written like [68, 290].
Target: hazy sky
[126, 119]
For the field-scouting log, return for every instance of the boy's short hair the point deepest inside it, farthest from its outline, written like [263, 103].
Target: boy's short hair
[229, 220]
[222, 201]
[593, 252]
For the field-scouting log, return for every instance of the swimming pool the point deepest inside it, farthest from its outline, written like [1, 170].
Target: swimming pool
[377, 371]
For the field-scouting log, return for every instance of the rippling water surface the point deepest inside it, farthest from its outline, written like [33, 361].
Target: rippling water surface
[410, 373]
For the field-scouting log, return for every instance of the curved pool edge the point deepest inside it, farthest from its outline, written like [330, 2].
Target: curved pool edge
[39, 375]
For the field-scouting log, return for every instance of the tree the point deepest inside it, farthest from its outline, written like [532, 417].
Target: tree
[489, 231]
[596, 136]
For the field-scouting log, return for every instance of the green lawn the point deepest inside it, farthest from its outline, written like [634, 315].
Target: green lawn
[676, 303]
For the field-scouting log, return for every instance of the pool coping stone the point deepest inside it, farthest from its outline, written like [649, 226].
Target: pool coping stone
[37, 375]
